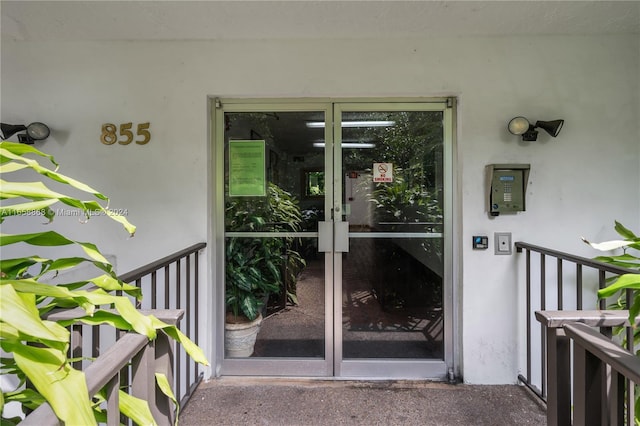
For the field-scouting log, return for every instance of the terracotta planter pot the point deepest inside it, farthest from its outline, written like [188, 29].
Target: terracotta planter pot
[240, 337]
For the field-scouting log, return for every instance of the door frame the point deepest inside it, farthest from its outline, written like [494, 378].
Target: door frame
[397, 368]
[330, 367]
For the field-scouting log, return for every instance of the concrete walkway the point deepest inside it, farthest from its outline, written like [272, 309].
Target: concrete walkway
[276, 401]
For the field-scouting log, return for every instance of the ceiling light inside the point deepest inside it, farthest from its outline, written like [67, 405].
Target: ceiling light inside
[355, 145]
[321, 124]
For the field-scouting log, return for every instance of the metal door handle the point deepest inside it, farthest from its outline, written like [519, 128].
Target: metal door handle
[333, 236]
[341, 237]
[325, 237]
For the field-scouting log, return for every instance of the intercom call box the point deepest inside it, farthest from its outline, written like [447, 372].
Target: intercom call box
[506, 187]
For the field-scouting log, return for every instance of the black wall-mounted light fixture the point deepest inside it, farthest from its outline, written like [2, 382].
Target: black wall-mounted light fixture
[521, 126]
[34, 132]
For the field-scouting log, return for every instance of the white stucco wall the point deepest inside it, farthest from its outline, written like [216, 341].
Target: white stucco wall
[580, 182]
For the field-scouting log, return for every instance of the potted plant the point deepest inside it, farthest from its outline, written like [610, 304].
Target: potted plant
[257, 267]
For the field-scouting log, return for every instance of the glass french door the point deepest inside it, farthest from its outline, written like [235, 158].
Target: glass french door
[341, 212]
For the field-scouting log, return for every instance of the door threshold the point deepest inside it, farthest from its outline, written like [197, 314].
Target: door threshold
[325, 382]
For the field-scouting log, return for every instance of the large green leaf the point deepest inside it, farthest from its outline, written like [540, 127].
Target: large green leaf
[42, 198]
[23, 316]
[45, 239]
[625, 261]
[624, 232]
[16, 268]
[100, 317]
[634, 310]
[125, 322]
[8, 332]
[19, 149]
[109, 283]
[142, 324]
[172, 331]
[52, 239]
[33, 190]
[11, 166]
[136, 409]
[38, 191]
[87, 300]
[7, 364]
[249, 306]
[27, 397]
[23, 208]
[71, 262]
[30, 286]
[624, 282]
[165, 387]
[64, 387]
[93, 252]
[33, 164]
[121, 220]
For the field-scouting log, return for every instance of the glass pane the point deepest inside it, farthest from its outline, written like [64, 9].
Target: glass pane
[279, 276]
[393, 273]
[297, 330]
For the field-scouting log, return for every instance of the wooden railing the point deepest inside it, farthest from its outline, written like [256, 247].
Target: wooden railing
[130, 365]
[601, 368]
[170, 283]
[564, 290]
[173, 283]
[597, 395]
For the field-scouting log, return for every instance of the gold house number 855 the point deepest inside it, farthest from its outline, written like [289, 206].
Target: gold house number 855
[109, 136]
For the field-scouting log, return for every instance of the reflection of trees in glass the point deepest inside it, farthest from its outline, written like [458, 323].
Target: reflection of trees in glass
[250, 124]
[411, 203]
[416, 138]
[414, 145]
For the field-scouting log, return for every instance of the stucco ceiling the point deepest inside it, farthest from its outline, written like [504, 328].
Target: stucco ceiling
[210, 20]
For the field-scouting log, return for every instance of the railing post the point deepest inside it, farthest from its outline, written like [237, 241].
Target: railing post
[587, 386]
[143, 378]
[75, 349]
[615, 400]
[112, 389]
[164, 365]
[559, 378]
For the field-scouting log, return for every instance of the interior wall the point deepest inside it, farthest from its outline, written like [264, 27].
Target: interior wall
[579, 184]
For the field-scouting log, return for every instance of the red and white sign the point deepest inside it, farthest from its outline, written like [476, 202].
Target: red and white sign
[382, 172]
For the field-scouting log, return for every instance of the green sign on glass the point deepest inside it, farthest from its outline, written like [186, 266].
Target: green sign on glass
[247, 177]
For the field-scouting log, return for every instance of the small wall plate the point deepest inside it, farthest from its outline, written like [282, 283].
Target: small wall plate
[502, 242]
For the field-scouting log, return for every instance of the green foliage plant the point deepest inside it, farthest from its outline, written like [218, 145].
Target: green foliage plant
[254, 265]
[621, 285]
[38, 347]
[630, 258]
